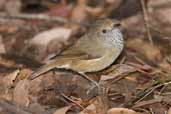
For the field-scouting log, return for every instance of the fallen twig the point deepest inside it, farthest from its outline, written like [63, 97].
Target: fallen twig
[148, 102]
[69, 99]
[146, 19]
[34, 16]
[151, 90]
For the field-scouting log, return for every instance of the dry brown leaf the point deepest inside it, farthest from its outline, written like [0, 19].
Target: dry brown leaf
[8, 81]
[21, 94]
[2, 46]
[37, 108]
[13, 6]
[79, 12]
[47, 42]
[62, 110]
[157, 108]
[121, 111]
[2, 4]
[95, 11]
[57, 9]
[158, 2]
[6, 84]
[169, 111]
[98, 106]
[159, 11]
[91, 109]
[43, 38]
[151, 52]
[165, 65]
[122, 69]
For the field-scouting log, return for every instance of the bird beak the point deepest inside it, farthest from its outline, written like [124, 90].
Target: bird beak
[117, 24]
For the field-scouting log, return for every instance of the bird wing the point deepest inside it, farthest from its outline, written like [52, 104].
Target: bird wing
[78, 51]
[75, 54]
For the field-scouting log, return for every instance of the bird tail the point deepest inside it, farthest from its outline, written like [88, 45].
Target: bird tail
[42, 70]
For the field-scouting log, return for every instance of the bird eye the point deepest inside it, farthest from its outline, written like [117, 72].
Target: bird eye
[104, 31]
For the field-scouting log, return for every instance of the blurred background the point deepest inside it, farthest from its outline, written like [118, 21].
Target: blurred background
[32, 31]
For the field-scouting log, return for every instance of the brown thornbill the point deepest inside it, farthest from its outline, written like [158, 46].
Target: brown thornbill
[94, 51]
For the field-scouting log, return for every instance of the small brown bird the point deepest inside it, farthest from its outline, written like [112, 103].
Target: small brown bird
[94, 51]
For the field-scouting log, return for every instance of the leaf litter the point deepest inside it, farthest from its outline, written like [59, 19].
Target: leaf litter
[137, 83]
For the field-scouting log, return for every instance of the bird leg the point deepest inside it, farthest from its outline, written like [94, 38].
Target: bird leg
[89, 79]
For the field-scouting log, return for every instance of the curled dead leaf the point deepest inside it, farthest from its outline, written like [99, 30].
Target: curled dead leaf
[151, 52]
[13, 6]
[43, 38]
[98, 106]
[169, 111]
[47, 41]
[79, 12]
[9, 80]
[21, 94]
[121, 111]
[122, 69]
[62, 110]
[2, 46]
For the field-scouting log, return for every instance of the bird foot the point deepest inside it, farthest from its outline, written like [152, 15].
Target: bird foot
[91, 80]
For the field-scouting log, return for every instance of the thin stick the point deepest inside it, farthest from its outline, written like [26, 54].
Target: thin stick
[146, 19]
[40, 17]
[151, 90]
[79, 105]
[34, 16]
